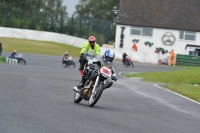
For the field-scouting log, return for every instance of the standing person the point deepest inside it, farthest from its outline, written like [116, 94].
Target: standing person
[89, 45]
[172, 54]
[1, 49]
[134, 47]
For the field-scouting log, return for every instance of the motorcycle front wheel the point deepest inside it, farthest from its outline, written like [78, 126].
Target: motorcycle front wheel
[127, 64]
[96, 95]
[22, 61]
[77, 97]
[132, 64]
[73, 64]
[64, 64]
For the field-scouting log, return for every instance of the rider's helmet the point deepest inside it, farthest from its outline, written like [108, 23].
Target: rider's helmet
[108, 56]
[66, 53]
[92, 40]
[15, 51]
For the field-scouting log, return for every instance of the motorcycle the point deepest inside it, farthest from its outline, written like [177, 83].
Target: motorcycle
[69, 63]
[128, 62]
[99, 78]
[19, 59]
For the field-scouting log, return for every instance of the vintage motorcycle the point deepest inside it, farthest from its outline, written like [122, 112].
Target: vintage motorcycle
[19, 59]
[69, 63]
[128, 62]
[99, 78]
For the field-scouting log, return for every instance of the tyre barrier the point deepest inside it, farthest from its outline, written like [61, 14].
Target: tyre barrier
[9, 60]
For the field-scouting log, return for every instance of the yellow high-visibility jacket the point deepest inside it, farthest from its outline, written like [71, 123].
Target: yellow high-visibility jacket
[86, 47]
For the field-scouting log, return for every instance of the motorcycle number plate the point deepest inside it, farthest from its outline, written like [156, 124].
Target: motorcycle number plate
[106, 71]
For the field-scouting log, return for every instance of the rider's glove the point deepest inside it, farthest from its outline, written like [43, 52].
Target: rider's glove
[114, 78]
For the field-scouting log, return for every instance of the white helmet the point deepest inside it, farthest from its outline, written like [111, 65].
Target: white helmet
[66, 53]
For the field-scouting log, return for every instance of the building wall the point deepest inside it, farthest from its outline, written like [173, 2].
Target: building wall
[146, 53]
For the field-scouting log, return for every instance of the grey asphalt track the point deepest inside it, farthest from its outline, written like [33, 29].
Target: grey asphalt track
[38, 98]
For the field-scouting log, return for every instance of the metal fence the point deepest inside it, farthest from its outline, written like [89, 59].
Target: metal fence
[74, 25]
[187, 60]
[86, 26]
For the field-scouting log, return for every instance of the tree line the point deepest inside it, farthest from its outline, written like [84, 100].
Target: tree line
[51, 15]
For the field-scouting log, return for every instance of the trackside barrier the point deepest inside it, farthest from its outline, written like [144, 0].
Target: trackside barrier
[187, 60]
[11, 61]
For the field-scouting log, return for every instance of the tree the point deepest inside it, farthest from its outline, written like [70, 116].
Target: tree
[31, 14]
[98, 9]
[101, 12]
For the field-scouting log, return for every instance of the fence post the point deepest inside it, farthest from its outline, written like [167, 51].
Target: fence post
[61, 23]
[80, 27]
[107, 32]
[72, 26]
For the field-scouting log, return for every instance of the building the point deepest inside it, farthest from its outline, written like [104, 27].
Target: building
[158, 25]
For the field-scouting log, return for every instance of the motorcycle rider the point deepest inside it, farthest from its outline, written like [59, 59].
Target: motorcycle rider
[13, 54]
[1, 49]
[66, 58]
[89, 45]
[106, 60]
[124, 57]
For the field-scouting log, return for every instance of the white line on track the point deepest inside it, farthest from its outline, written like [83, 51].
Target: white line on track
[120, 73]
[176, 94]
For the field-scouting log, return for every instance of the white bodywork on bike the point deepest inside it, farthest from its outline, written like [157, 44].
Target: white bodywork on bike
[18, 55]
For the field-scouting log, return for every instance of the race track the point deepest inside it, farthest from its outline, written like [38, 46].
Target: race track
[38, 98]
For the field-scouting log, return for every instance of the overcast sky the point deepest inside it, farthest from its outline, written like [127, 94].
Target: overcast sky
[70, 5]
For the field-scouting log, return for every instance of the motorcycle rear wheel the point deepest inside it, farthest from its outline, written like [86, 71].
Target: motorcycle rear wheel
[97, 94]
[77, 97]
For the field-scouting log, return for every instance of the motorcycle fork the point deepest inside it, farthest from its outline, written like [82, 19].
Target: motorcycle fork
[96, 82]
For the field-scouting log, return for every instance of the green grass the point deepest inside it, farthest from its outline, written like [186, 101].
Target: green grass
[1, 60]
[190, 91]
[181, 81]
[38, 47]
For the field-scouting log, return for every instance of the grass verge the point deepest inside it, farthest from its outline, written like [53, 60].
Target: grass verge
[1, 60]
[38, 47]
[185, 82]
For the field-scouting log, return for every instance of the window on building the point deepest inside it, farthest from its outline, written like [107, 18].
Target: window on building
[187, 35]
[141, 31]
